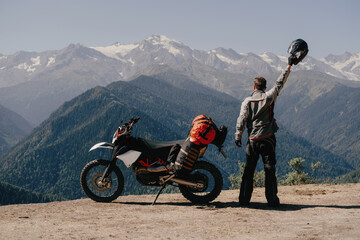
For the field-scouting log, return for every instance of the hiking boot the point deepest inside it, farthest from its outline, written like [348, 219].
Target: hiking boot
[244, 203]
[275, 203]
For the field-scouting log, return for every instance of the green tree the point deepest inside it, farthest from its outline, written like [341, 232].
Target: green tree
[298, 176]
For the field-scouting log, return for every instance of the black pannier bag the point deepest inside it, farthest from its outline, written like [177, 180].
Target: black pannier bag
[188, 154]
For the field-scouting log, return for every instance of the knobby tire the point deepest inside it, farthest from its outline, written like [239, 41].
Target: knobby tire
[84, 181]
[192, 196]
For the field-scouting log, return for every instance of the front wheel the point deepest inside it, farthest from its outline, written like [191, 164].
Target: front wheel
[101, 191]
[210, 177]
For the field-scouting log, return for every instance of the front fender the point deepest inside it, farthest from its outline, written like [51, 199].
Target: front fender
[102, 145]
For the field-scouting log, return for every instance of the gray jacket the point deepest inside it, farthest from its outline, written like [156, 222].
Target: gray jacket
[257, 112]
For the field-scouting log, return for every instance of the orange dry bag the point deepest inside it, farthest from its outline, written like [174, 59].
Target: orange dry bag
[202, 130]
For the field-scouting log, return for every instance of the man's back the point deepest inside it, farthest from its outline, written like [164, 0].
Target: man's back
[260, 121]
[257, 111]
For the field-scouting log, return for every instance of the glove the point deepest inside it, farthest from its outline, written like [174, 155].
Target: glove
[292, 60]
[238, 143]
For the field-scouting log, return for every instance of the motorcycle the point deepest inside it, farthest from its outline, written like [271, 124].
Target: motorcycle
[103, 181]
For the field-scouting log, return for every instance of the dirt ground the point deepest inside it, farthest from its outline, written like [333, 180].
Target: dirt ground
[306, 212]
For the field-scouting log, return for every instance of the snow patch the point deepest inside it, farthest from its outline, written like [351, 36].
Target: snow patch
[227, 60]
[30, 68]
[265, 57]
[117, 50]
[166, 43]
[351, 76]
[283, 58]
[196, 58]
[131, 61]
[174, 51]
[50, 61]
[162, 40]
[331, 74]
[309, 66]
[353, 61]
[35, 61]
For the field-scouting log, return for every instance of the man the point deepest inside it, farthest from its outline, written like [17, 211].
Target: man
[257, 115]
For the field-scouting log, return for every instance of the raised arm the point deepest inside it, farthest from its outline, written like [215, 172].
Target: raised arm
[279, 84]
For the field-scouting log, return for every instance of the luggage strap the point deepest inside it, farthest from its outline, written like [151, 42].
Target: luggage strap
[209, 122]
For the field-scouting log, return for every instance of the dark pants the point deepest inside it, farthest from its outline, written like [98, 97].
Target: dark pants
[265, 148]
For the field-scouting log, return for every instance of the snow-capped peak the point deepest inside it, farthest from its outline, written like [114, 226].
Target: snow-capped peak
[344, 60]
[116, 50]
[35, 61]
[162, 40]
[119, 51]
[160, 49]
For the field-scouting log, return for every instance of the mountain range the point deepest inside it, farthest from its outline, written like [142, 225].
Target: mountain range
[50, 159]
[59, 75]
[13, 128]
[66, 92]
[11, 194]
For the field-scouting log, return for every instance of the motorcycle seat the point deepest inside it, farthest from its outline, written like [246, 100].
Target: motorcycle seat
[157, 145]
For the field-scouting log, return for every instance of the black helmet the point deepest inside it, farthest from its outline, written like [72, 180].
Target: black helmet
[300, 47]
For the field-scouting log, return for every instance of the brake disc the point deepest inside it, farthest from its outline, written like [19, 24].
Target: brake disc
[101, 185]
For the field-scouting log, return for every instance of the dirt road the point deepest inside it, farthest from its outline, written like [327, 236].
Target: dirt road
[307, 212]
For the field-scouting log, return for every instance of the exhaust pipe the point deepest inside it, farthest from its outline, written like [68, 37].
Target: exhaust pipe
[187, 183]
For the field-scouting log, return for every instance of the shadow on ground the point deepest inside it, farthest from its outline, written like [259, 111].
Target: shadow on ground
[253, 205]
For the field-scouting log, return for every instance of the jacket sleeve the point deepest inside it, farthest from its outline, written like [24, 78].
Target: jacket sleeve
[279, 84]
[242, 119]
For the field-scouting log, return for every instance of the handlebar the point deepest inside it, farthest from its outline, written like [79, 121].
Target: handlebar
[131, 123]
[135, 120]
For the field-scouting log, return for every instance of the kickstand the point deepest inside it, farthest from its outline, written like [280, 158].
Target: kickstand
[161, 189]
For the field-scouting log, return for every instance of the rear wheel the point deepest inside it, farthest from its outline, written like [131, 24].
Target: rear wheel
[101, 191]
[210, 177]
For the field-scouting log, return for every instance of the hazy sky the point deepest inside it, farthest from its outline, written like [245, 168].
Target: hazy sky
[329, 26]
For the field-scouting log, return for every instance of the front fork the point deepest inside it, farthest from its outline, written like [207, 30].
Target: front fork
[109, 168]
